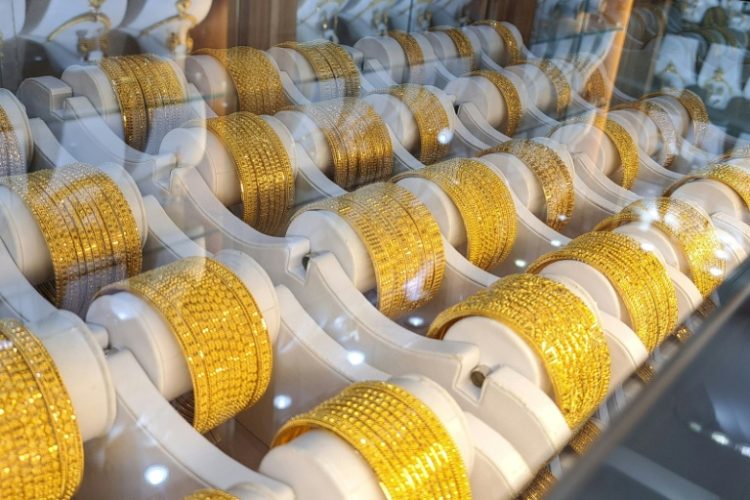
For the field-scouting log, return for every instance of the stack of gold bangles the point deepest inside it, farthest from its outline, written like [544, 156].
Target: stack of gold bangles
[626, 147]
[334, 69]
[263, 167]
[667, 132]
[403, 441]
[42, 454]
[412, 51]
[462, 43]
[220, 329]
[510, 95]
[563, 91]
[512, 49]
[402, 239]
[149, 95]
[11, 161]
[89, 228]
[358, 139]
[484, 203]
[694, 107]
[733, 176]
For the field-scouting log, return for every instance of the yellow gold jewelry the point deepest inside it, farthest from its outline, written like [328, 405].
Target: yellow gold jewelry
[11, 162]
[510, 95]
[402, 239]
[210, 494]
[333, 67]
[42, 451]
[557, 325]
[412, 51]
[484, 203]
[627, 149]
[263, 168]
[255, 78]
[220, 329]
[694, 107]
[540, 486]
[640, 279]
[432, 120]
[669, 137]
[464, 49]
[585, 437]
[563, 91]
[732, 176]
[690, 228]
[400, 437]
[595, 89]
[552, 173]
[509, 41]
[130, 100]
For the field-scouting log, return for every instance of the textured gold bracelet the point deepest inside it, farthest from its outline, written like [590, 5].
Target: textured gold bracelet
[464, 48]
[540, 486]
[402, 239]
[694, 107]
[552, 173]
[11, 161]
[408, 448]
[412, 51]
[691, 229]
[220, 330]
[210, 494]
[595, 88]
[667, 132]
[431, 117]
[484, 203]
[563, 91]
[333, 67]
[510, 95]
[263, 167]
[626, 147]
[557, 325]
[734, 177]
[509, 41]
[42, 454]
[130, 100]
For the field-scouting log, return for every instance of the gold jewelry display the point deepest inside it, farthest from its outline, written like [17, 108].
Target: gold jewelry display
[540, 486]
[89, 229]
[254, 76]
[557, 325]
[509, 41]
[357, 137]
[263, 168]
[484, 203]
[333, 67]
[694, 107]
[510, 95]
[404, 442]
[42, 454]
[640, 279]
[733, 176]
[210, 494]
[585, 437]
[130, 100]
[11, 161]
[595, 88]
[667, 132]
[431, 117]
[626, 147]
[687, 226]
[552, 173]
[402, 239]
[412, 51]
[563, 91]
[464, 49]
[220, 329]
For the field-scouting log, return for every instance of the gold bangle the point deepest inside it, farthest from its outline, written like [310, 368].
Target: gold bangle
[586, 436]
[691, 229]
[464, 48]
[432, 120]
[220, 329]
[552, 173]
[734, 177]
[43, 454]
[263, 168]
[509, 41]
[402, 239]
[563, 91]
[640, 279]
[540, 486]
[412, 51]
[343, 65]
[694, 107]
[255, 78]
[510, 95]
[400, 437]
[484, 203]
[595, 88]
[333, 67]
[210, 494]
[627, 149]
[130, 100]
[11, 162]
[557, 325]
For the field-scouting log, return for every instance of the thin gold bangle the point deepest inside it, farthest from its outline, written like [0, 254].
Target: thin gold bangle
[130, 100]
[694, 107]
[563, 91]
[11, 162]
[510, 95]
[462, 43]
[334, 68]
[626, 147]
[412, 51]
[509, 41]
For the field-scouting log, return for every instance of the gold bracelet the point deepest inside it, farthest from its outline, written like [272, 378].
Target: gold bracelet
[552, 173]
[263, 168]
[640, 279]
[557, 325]
[733, 176]
[509, 41]
[667, 132]
[510, 95]
[333, 67]
[627, 149]
[412, 51]
[255, 78]
[400, 437]
[402, 239]
[11, 161]
[43, 452]
[210, 494]
[432, 120]
[484, 203]
[540, 486]
[595, 88]
[464, 48]
[563, 91]
[585, 437]
[220, 329]
[343, 65]
[691, 229]
[130, 100]
[694, 107]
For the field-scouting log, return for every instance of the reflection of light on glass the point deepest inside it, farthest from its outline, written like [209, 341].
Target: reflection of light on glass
[562, 217]
[672, 220]
[445, 136]
[355, 357]
[520, 263]
[722, 254]
[282, 402]
[744, 449]
[415, 321]
[720, 438]
[555, 243]
[156, 474]
[715, 271]
[695, 426]
[649, 247]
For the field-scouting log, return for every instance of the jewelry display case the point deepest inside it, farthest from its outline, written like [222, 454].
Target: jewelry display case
[332, 249]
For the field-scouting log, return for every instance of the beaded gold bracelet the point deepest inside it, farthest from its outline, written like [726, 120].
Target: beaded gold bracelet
[687, 226]
[563, 91]
[412, 51]
[734, 177]
[220, 329]
[11, 162]
[640, 279]
[509, 41]
[210, 494]
[402, 440]
[694, 107]
[484, 203]
[510, 95]
[462, 43]
[557, 325]
[552, 173]
[42, 454]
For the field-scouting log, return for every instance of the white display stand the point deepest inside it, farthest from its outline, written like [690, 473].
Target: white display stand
[365, 17]
[448, 12]
[405, 11]
[721, 75]
[675, 61]
[316, 19]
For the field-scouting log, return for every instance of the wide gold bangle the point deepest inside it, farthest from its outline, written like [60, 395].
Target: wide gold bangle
[400, 437]
[626, 147]
[220, 329]
[557, 325]
[11, 162]
[733, 176]
[563, 91]
[464, 49]
[509, 41]
[255, 78]
[552, 173]
[510, 95]
[357, 137]
[43, 452]
[402, 239]
[484, 203]
[334, 68]
[130, 100]
[263, 168]
[412, 51]
[210, 494]
[691, 229]
[595, 88]
[694, 107]
[640, 279]
[432, 120]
